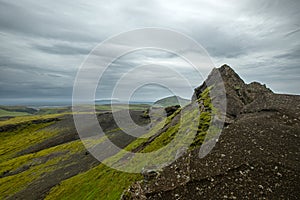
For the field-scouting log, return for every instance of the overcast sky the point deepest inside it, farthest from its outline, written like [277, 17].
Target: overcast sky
[43, 43]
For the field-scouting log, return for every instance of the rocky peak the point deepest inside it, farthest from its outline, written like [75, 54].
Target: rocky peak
[229, 76]
[225, 74]
[256, 156]
[238, 93]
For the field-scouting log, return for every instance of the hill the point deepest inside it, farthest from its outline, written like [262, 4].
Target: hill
[172, 101]
[12, 111]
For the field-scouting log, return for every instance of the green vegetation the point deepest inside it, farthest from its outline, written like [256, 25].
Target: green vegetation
[106, 183]
[26, 119]
[100, 182]
[206, 130]
[23, 109]
[12, 111]
[32, 166]
[172, 101]
[182, 131]
[54, 110]
[22, 138]
[17, 171]
[6, 113]
[205, 117]
[103, 182]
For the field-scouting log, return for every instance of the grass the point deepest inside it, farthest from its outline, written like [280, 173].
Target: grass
[206, 130]
[100, 182]
[172, 101]
[19, 109]
[28, 168]
[15, 183]
[25, 119]
[6, 113]
[56, 110]
[24, 137]
[183, 132]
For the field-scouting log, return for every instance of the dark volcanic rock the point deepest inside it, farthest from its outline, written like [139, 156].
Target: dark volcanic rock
[171, 109]
[256, 157]
[238, 93]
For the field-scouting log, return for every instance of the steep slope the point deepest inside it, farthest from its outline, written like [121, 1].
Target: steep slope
[39, 152]
[257, 155]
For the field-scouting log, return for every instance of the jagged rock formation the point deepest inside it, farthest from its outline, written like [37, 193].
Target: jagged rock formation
[256, 157]
[238, 93]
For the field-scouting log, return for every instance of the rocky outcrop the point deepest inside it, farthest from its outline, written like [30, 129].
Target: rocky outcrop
[256, 157]
[238, 93]
[171, 109]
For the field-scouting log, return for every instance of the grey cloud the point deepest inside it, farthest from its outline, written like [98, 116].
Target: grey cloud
[40, 20]
[44, 43]
[292, 32]
[290, 55]
[62, 49]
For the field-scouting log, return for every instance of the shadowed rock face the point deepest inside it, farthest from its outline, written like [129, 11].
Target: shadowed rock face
[256, 157]
[170, 110]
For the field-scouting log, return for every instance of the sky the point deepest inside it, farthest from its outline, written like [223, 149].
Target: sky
[44, 43]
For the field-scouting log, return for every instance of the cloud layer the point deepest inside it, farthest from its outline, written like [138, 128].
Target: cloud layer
[43, 43]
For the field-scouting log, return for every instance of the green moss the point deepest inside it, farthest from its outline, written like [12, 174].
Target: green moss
[160, 155]
[5, 113]
[36, 166]
[162, 140]
[25, 119]
[56, 110]
[237, 87]
[100, 182]
[103, 182]
[22, 138]
[207, 111]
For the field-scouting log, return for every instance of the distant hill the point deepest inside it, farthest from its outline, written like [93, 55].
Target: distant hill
[172, 101]
[109, 101]
[106, 101]
[12, 111]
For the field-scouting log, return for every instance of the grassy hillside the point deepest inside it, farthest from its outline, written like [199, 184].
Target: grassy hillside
[172, 101]
[12, 111]
[6, 113]
[102, 182]
[42, 157]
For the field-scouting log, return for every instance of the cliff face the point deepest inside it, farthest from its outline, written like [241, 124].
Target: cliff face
[256, 156]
